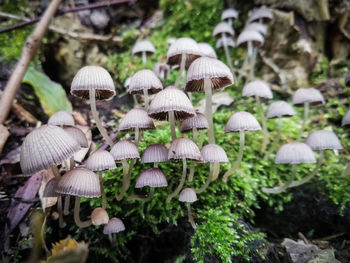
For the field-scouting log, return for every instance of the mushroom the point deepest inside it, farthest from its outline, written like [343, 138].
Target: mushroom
[153, 177]
[258, 27]
[183, 149]
[230, 42]
[240, 121]
[61, 118]
[259, 89]
[155, 153]
[346, 119]
[143, 48]
[189, 196]
[171, 104]
[222, 31]
[78, 135]
[262, 15]
[292, 153]
[115, 225]
[228, 15]
[306, 97]
[162, 70]
[99, 216]
[126, 85]
[94, 82]
[207, 50]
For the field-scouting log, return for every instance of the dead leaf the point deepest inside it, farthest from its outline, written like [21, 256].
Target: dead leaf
[12, 157]
[79, 118]
[219, 99]
[4, 134]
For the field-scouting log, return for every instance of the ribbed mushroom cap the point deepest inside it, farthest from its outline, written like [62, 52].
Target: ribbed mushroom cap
[127, 82]
[174, 99]
[162, 70]
[114, 225]
[143, 46]
[323, 140]
[50, 188]
[78, 135]
[155, 153]
[250, 35]
[136, 118]
[199, 122]
[261, 28]
[207, 50]
[308, 95]
[280, 108]
[181, 46]
[257, 88]
[294, 153]
[125, 149]
[100, 161]
[61, 117]
[44, 147]
[184, 148]
[79, 182]
[188, 195]
[242, 121]
[99, 216]
[93, 77]
[152, 177]
[223, 28]
[145, 79]
[208, 68]
[346, 119]
[213, 153]
[261, 13]
[229, 13]
[230, 42]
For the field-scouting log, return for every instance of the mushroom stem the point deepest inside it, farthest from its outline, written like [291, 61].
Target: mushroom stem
[77, 221]
[146, 98]
[137, 136]
[181, 70]
[141, 197]
[252, 66]
[66, 205]
[282, 188]
[227, 52]
[171, 116]
[276, 141]
[182, 181]
[306, 116]
[201, 138]
[101, 129]
[135, 99]
[190, 176]
[110, 237]
[213, 173]
[61, 223]
[264, 125]
[239, 158]
[126, 179]
[209, 109]
[71, 163]
[229, 21]
[155, 165]
[144, 59]
[190, 216]
[103, 194]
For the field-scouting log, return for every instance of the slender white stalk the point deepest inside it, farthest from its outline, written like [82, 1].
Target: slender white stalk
[144, 59]
[171, 116]
[282, 188]
[209, 109]
[77, 220]
[306, 116]
[181, 70]
[146, 98]
[264, 125]
[182, 181]
[276, 139]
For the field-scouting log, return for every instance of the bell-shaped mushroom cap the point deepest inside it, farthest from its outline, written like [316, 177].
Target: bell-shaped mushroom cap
[50, 188]
[100, 160]
[346, 119]
[44, 147]
[242, 121]
[125, 149]
[79, 182]
[162, 70]
[223, 28]
[294, 153]
[323, 140]
[143, 46]
[208, 68]
[152, 177]
[181, 46]
[155, 153]
[114, 225]
[174, 99]
[199, 122]
[207, 50]
[78, 135]
[61, 118]
[280, 108]
[99, 216]
[261, 28]
[93, 78]
[127, 82]
[230, 42]
[250, 35]
[184, 148]
[213, 153]
[145, 79]
[261, 13]
[136, 118]
[188, 195]
[307, 95]
[229, 13]
[257, 88]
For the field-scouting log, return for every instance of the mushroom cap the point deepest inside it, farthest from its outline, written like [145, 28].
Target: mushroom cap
[213, 153]
[184, 45]
[346, 119]
[124, 149]
[280, 108]
[44, 147]
[93, 78]
[145, 79]
[143, 46]
[207, 50]
[100, 160]
[153, 177]
[79, 182]
[307, 95]
[184, 148]
[208, 68]
[261, 28]
[250, 35]
[199, 121]
[127, 82]
[323, 140]
[223, 28]
[162, 70]
[257, 88]
[229, 13]
[242, 121]
[347, 79]
[50, 188]
[174, 99]
[114, 225]
[188, 195]
[136, 118]
[295, 153]
[61, 118]
[230, 42]
[155, 153]
[99, 216]
[78, 135]
[261, 13]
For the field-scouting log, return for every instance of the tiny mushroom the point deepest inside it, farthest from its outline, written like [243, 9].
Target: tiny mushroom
[99, 216]
[228, 15]
[207, 50]
[222, 31]
[230, 42]
[155, 153]
[143, 48]
[262, 15]
[162, 70]
[188, 196]
[61, 118]
[258, 27]
[346, 119]
[115, 225]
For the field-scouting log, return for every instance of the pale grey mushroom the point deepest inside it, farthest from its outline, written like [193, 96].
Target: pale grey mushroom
[222, 31]
[114, 226]
[262, 15]
[188, 196]
[61, 118]
[143, 48]
[228, 15]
